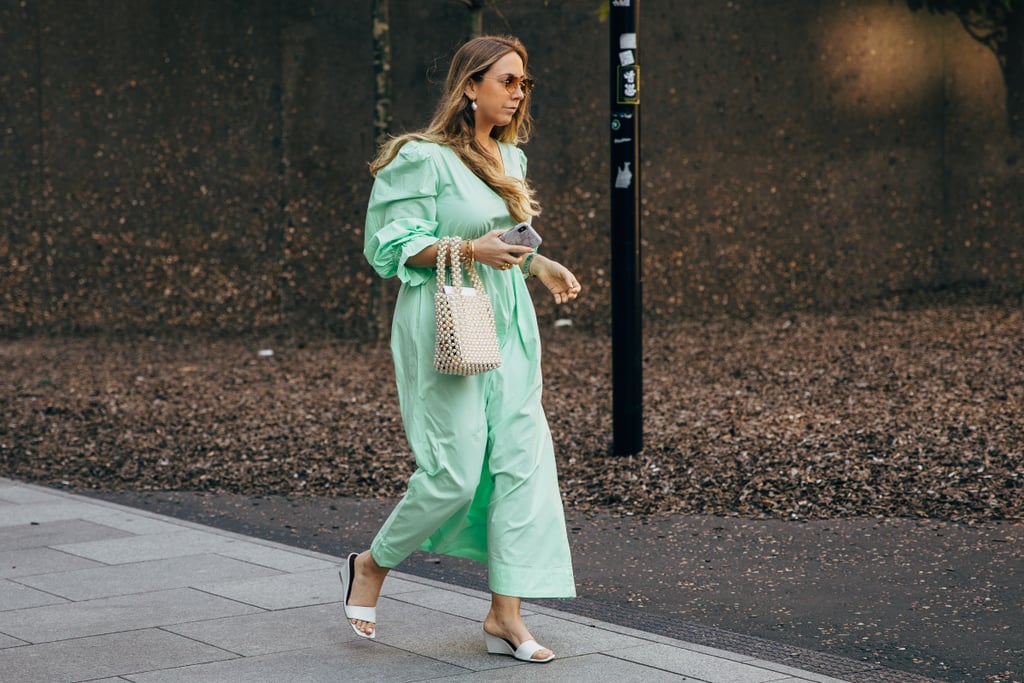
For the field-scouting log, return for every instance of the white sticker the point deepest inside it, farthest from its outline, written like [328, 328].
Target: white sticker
[466, 291]
[629, 84]
[624, 177]
[626, 57]
[620, 3]
[627, 41]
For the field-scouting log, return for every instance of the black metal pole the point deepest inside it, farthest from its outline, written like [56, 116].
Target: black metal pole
[627, 279]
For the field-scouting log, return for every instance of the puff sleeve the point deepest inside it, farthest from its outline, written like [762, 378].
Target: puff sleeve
[521, 156]
[401, 219]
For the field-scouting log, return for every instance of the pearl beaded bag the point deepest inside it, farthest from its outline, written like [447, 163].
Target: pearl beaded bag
[466, 342]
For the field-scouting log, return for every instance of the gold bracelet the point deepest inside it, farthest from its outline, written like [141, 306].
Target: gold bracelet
[471, 251]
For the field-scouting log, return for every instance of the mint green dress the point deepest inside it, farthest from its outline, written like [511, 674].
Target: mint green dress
[485, 485]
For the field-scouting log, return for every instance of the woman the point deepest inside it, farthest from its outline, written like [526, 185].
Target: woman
[485, 486]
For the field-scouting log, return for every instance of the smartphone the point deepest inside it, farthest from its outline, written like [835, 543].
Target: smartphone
[523, 234]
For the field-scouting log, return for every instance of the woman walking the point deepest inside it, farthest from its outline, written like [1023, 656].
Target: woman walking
[485, 486]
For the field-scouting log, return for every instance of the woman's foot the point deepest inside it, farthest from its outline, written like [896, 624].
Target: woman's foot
[367, 581]
[510, 627]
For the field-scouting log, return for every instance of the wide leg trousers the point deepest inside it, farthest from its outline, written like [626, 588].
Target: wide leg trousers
[486, 486]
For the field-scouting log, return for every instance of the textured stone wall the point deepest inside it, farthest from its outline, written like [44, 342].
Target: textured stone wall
[202, 164]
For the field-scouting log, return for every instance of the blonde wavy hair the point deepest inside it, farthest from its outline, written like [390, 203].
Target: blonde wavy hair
[454, 125]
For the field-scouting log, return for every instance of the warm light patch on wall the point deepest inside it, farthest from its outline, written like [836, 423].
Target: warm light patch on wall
[880, 56]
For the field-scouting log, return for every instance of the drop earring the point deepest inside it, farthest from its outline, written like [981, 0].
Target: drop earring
[472, 105]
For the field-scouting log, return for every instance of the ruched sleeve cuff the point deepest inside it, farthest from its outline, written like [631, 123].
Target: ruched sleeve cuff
[401, 219]
[393, 244]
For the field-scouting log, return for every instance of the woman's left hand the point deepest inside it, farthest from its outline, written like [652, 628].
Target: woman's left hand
[556, 277]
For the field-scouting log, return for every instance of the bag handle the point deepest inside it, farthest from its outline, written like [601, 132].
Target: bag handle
[446, 246]
[453, 246]
[478, 285]
[442, 262]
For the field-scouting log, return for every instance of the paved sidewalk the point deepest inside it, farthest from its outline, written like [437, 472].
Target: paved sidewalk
[90, 590]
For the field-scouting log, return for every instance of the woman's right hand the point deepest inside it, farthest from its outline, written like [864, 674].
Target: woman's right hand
[489, 250]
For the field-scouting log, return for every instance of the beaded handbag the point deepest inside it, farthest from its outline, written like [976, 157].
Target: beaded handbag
[466, 342]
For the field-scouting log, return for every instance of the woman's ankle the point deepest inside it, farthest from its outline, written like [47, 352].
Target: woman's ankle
[366, 562]
[503, 622]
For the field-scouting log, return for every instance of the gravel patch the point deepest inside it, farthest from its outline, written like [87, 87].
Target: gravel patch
[892, 411]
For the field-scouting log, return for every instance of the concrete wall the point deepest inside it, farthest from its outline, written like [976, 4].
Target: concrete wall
[202, 164]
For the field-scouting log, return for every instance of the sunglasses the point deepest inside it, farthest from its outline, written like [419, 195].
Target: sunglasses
[512, 82]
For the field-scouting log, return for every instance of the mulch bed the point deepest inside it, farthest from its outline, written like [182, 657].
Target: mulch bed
[887, 411]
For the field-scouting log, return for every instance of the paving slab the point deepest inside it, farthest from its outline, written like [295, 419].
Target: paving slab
[275, 558]
[447, 602]
[283, 590]
[799, 674]
[102, 656]
[354, 661]
[149, 547]
[38, 513]
[697, 665]
[143, 577]
[15, 563]
[135, 524]
[7, 641]
[16, 596]
[120, 613]
[590, 668]
[33, 535]
[264, 633]
[295, 589]
[22, 495]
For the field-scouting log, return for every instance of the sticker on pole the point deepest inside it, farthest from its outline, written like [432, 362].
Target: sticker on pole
[628, 91]
[623, 176]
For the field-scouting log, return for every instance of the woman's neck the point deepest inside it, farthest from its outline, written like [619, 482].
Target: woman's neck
[483, 137]
[490, 148]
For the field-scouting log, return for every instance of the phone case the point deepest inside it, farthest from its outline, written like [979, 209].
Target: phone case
[524, 235]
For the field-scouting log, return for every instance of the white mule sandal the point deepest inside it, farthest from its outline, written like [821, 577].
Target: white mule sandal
[355, 611]
[524, 653]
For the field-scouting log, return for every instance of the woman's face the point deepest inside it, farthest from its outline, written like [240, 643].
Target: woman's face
[495, 105]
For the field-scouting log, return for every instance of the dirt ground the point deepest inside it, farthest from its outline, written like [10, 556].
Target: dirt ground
[891, 411]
